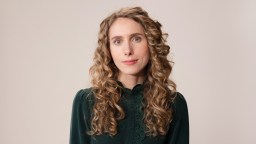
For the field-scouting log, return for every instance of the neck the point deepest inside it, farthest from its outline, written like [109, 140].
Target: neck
[129, 81]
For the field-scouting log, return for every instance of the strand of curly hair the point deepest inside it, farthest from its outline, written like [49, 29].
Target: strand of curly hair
[158, 88]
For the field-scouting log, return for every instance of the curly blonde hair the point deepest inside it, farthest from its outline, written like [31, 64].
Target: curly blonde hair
[158, 88]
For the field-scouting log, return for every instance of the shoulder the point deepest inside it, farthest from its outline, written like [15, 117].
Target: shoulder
[179, 99]
[180, 104]
[83, 96]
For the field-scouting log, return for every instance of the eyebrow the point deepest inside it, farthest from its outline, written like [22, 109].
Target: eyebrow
[132, 35]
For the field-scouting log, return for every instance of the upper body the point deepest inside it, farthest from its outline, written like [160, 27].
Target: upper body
[131, 128]
[132, 100]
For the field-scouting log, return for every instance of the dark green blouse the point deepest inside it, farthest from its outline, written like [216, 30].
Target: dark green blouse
[131, 128]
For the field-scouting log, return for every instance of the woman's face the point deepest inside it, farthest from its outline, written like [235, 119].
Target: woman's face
[128, 47]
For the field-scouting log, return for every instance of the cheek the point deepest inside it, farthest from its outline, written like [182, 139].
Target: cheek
[148, 54]
[115, 54]
[112, 52]
[145, 52]
[147, 57]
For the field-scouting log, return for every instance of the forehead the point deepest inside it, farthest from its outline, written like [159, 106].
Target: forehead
[125, 27]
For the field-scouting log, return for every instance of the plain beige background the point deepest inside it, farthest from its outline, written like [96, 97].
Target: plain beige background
[47, 46]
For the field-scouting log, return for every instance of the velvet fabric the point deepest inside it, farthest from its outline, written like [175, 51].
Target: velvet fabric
[131, 128]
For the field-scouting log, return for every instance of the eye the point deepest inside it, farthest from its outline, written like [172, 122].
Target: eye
[136, 39]
[117, 42]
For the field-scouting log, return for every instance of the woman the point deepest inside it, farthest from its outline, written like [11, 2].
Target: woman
[132, 100]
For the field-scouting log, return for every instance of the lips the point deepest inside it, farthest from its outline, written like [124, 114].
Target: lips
[130, 62]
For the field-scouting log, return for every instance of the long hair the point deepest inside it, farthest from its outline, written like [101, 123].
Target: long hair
[158, 88]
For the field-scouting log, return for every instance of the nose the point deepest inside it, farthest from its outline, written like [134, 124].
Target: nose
[128, 49]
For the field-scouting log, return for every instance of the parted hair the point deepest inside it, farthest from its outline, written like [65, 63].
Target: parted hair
[158, 92]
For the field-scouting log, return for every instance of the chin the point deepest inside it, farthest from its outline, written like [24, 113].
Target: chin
[131, 72]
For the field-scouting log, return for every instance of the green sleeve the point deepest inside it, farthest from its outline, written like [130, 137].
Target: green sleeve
[79, 119]
[180, 125]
